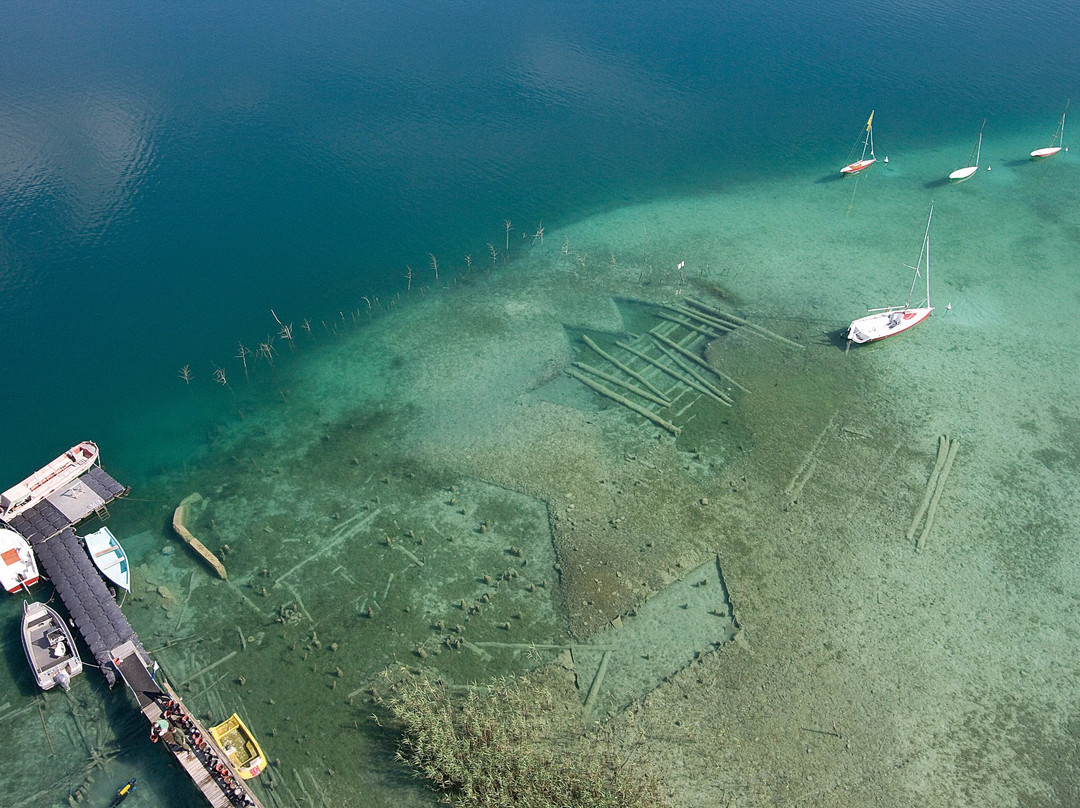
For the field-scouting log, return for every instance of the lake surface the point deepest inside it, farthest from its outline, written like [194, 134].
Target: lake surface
[171, 174]
[178, 182]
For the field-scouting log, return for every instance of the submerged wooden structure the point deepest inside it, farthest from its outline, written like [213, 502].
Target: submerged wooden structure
[665, 364]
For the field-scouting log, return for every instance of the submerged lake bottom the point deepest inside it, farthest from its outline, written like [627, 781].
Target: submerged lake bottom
[738, 586]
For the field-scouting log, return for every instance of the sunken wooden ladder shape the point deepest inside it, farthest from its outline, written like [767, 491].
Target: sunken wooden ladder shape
[670, 352]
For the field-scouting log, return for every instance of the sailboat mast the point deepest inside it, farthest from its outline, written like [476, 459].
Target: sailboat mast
[925, 251]
[870, 134]
[926, 238]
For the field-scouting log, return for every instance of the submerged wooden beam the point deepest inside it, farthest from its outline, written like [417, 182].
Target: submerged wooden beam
[598, 680]
[700, 380]
[722, 326]
[688, 381]
[642, 411]
[624, 368]
[193, 543]
[931, 486]
[693, 357]
[954, 446]
[740, 321]
[710, 331]
[663, 402]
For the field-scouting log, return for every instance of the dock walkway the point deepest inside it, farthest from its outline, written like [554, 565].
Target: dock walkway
[49, 527]
[186, 738]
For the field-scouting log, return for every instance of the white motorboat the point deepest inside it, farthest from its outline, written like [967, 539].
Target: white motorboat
[49, 646]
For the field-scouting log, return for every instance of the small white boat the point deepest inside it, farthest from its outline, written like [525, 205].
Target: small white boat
[1056, 143]
[109, 557]
[892, 320]
[49, 646]
[46, 481]
[868, 142]
[967, 172]
[18, 565]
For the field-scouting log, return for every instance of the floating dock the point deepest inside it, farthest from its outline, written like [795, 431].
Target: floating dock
[49, 527]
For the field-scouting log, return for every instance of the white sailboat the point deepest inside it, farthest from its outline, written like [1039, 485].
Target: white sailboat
[967, 172]
[1057, 143]
[892, 320]
[868, 143]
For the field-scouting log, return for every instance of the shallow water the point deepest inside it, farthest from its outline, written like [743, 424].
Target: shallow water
[170, 177]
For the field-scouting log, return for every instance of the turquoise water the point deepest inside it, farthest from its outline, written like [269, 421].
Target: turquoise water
[170, 176]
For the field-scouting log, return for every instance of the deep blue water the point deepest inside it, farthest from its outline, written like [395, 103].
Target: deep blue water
[169, 172]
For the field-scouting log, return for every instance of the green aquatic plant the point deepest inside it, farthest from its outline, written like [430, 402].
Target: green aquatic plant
[504, 745]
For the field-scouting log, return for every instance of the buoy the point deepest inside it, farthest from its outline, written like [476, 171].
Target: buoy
[886, 158]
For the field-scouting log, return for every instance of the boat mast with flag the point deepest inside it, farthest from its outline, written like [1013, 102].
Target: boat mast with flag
[863, 162]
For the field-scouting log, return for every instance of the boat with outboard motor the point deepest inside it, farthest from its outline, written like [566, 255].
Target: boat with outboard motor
[49, 646]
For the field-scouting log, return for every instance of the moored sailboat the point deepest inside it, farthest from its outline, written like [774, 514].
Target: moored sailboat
[892, 320]
[1057, 143]
[968, 171]
[863, 162]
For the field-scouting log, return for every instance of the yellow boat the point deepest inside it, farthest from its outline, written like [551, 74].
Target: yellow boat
[239, 746]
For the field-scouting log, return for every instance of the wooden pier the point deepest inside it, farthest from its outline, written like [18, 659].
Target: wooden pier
[186, 738]
[49, 527]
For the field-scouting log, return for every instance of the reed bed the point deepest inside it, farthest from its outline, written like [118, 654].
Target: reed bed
[498, 746]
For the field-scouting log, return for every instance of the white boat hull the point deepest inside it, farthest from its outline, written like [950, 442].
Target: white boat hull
[858, 165]
[1042, 154]
[18, 565]
[109, 557]
[887, 323]
[49, 479]
[962, 174]
[49, 646]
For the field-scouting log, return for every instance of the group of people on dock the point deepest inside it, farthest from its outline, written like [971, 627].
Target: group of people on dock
[182, 734]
